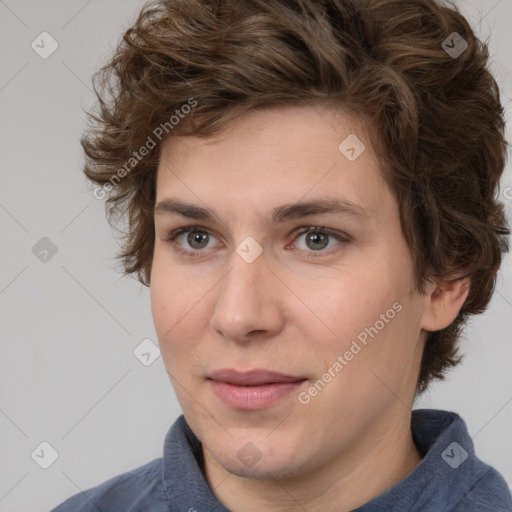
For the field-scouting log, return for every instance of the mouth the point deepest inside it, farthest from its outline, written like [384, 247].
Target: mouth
[254, 389]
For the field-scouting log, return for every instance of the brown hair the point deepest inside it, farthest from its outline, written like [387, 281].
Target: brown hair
[435, 118]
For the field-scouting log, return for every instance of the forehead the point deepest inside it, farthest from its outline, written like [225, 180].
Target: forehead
[277, 157]
[291, 129]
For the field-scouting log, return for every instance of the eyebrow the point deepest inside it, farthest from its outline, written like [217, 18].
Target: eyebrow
[279, 214]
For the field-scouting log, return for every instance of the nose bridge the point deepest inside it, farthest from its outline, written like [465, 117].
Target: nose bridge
[245, 302]
[247, 267]
[244, 282]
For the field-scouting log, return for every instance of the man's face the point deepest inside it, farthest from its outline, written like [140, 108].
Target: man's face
[325, 300]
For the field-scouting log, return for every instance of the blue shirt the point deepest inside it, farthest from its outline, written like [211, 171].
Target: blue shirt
[450, 478]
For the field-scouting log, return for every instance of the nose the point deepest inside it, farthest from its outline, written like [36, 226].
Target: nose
[248, 303]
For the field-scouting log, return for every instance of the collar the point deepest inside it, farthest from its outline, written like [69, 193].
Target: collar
[447, 472]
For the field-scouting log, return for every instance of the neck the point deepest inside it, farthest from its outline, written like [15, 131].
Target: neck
[381, 458]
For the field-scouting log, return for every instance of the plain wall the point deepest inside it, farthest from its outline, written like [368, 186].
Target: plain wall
[68, 326]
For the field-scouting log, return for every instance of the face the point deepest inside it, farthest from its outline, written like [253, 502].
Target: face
[290, 333]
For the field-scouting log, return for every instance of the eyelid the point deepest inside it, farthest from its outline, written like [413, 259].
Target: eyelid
[323, 229]
[185, 229]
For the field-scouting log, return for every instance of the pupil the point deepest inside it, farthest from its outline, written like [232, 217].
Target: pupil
[193, 238]
[315, 238]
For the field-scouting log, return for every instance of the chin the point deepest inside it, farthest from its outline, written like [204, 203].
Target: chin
[260, 458]
[265, 469]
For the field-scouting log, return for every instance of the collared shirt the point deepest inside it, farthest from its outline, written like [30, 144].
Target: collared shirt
[450, 478]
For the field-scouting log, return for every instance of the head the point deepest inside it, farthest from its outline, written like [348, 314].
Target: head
[239, 108]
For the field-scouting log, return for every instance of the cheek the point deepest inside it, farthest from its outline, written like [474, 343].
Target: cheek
[179, 308]
[373, 324]
[169, 304]
[343, 306]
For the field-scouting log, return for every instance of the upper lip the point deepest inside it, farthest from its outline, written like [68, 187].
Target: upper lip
[251, 377]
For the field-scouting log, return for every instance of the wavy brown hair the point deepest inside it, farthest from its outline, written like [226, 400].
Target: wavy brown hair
[435, 120]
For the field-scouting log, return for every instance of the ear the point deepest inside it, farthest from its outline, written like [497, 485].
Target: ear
[443, 302]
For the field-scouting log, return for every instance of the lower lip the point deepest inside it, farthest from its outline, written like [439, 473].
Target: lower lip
[253, 397]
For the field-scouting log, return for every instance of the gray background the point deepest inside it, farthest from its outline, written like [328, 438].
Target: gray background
[68, 326]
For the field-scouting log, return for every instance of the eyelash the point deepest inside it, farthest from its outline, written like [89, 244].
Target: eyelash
[341, 237]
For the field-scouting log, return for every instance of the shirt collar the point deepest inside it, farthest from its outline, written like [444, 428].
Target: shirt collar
[442, 436]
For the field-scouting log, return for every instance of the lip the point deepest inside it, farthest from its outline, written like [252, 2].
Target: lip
[254, 389]
[252, 377]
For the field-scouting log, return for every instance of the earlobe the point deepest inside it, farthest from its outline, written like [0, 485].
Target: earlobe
[443, 303]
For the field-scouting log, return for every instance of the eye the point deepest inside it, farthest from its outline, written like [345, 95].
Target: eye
[317, 239]
[198, 238]
[195, 236]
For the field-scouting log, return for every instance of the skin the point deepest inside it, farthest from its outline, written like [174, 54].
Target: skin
[290, 313]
